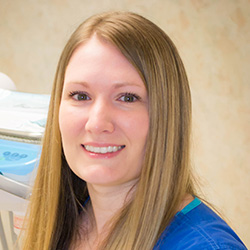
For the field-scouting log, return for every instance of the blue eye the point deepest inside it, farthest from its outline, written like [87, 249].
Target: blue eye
[79, 96]
[129, 97]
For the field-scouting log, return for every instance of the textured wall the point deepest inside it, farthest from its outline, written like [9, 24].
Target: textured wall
[213, 38]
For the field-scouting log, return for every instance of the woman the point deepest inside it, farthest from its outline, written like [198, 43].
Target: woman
[114, 171]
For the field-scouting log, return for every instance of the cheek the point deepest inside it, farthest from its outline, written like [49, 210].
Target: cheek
[63, 121]
[69, 121]
[137, 126]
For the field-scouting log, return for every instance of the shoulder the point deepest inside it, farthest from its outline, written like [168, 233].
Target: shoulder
[199, 228]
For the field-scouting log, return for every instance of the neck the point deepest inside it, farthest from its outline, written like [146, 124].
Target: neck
[107, 201]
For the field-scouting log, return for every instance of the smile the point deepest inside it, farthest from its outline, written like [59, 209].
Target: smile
[103, 150]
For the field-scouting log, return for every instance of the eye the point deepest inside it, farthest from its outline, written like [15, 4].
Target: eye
[129, 97]
[79, 96]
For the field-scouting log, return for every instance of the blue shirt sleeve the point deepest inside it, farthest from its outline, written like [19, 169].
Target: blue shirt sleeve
[198, 228]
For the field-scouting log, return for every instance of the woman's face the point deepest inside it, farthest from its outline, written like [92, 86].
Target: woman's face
[103, 115]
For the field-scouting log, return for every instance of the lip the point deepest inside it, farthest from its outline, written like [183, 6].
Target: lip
[101, 155]
[101, 144]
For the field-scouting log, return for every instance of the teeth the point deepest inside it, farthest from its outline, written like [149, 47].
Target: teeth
[103, 150]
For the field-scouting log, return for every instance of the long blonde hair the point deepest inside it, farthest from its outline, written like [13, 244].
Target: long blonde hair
[166, 176]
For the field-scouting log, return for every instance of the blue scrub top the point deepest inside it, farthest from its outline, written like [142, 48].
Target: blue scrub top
[198, 227]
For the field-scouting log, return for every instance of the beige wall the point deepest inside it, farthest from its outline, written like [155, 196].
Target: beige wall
[214, 40]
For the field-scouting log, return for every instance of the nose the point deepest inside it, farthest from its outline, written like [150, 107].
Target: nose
[100, 118]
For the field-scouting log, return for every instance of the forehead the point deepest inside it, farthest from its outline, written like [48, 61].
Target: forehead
[99, 58]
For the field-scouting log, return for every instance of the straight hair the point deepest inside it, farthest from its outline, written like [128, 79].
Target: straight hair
[58, 194]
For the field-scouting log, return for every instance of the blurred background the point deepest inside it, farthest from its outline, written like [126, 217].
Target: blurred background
[213, 38]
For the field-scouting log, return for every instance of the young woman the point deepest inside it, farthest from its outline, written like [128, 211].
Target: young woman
[114, 171]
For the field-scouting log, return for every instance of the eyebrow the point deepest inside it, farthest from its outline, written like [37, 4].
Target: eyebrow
[117, 84]
[85, 84]
[124, 84]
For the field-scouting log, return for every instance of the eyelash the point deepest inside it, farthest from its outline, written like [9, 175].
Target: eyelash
[74, 93]
[128, 94]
